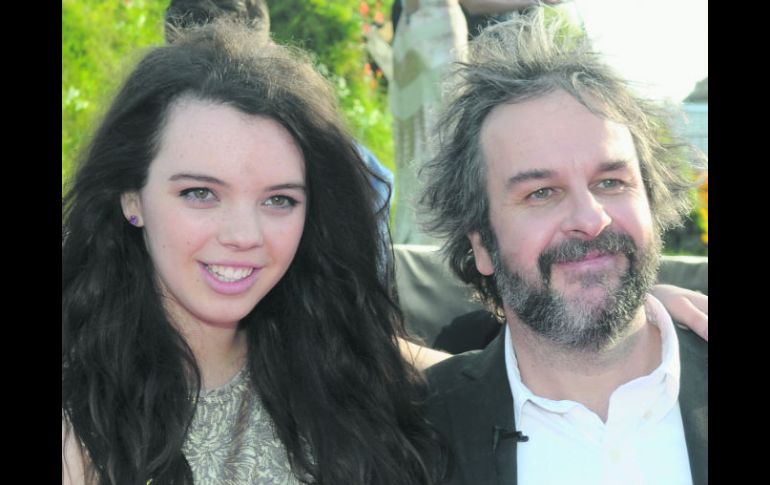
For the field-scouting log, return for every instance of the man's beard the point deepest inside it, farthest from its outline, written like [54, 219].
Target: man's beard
[572, 323]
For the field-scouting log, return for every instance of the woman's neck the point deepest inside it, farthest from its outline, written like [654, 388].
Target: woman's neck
[219, 352]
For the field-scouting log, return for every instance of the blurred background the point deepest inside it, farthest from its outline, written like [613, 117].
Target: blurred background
[660, 45]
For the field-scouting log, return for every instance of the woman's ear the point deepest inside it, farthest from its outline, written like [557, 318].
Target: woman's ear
[480, 254]
[132, 208]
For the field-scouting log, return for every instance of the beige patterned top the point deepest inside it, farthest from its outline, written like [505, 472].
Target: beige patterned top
[231, 439]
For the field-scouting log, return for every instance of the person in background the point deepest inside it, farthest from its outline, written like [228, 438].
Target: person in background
[482, 13]
[182, 15]
[429, 36]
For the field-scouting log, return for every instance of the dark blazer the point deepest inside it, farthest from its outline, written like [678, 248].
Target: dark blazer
[472, 406]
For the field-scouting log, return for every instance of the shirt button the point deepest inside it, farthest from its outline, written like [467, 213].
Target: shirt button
[647, 415]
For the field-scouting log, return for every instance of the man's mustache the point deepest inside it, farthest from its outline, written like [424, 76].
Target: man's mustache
[609, 242]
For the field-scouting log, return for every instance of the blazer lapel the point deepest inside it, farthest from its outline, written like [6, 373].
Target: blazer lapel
[693, 401]
[483, 415]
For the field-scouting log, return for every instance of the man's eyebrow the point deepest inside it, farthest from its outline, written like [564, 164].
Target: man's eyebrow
[197, 177]
[614, 165]
[528, 175]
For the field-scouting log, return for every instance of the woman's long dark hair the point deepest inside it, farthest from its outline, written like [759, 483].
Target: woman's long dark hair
[322, 348]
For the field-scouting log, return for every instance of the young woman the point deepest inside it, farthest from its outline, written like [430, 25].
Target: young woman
[223, 318]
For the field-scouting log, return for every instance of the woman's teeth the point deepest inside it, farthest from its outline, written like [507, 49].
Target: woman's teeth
[228, 274]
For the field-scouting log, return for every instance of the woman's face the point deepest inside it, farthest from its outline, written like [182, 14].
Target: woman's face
[223, 211]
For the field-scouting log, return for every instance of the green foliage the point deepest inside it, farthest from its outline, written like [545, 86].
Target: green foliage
[692, 237]
[100, 43]
[333, 32]
[103, 39]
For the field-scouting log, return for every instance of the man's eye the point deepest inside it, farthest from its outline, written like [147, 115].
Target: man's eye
[541, 194]
[610, 184]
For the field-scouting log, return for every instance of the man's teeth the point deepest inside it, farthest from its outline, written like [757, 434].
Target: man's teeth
[229, 274]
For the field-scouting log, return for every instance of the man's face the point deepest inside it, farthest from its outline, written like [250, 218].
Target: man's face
[573, 248]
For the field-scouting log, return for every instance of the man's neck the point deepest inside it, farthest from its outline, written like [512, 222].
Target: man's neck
[588, 377]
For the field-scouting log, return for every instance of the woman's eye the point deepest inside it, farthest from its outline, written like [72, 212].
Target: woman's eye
[197, 194]
[280, 201]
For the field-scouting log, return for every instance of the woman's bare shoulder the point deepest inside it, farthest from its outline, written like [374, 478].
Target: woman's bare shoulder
[73, 458]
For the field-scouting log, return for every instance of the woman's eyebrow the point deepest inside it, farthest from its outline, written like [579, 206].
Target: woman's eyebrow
[197, 178]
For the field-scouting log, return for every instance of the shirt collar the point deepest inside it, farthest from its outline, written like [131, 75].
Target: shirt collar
[666, 374]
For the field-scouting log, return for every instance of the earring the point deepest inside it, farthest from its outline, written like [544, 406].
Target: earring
[133, 220]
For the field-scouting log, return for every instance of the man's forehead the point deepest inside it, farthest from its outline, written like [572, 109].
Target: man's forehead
[551, 129]
[553, 106]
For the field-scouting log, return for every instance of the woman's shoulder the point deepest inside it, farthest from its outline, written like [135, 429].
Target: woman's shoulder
[73, 458]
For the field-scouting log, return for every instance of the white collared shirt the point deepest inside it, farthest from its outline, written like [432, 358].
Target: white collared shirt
[642, 441]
